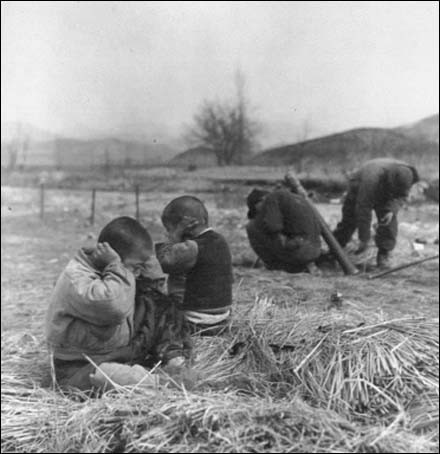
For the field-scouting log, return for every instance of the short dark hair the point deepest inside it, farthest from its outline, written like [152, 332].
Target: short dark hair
[416, 176]
[185, 205]
[126, 235]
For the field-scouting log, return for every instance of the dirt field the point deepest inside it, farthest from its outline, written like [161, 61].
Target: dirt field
[34, 252]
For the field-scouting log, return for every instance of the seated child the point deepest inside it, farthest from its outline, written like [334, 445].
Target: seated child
[94, 310]
[199, 264]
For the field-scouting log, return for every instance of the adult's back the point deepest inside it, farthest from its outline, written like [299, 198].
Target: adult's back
[379, 186]
[290, 214]
[285, 232]
[384, 179]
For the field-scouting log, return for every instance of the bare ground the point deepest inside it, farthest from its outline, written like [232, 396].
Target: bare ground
[34, 252]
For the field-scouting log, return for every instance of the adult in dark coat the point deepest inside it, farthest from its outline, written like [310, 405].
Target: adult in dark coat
[380, 185]
[283, 230]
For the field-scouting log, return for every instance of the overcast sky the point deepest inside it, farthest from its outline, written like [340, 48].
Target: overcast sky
[86, 67]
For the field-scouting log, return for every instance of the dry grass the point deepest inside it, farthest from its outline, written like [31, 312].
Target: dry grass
[344, 387]
[359, 365]
[275, 383]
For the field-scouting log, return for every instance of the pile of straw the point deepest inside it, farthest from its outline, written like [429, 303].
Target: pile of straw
[358, 365]
[166, 421]
[277, 382]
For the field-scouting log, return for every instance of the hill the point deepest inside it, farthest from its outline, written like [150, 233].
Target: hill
[20, 131]
[194, 157]
[25, 145]
[427, 129]
[344, 151]
[108, 152]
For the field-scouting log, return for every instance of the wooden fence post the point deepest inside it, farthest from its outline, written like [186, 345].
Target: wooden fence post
[137, 201]
[293, 183]
[41, 200]
[92, 213]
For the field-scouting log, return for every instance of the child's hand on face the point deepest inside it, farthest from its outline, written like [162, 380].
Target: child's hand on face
[103, 255]
[184, 228]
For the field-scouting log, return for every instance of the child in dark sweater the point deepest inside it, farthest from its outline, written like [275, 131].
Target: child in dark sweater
[198, 261]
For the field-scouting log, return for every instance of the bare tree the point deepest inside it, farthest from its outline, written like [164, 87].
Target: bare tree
[18, 148]
[12, 149]
[25, 149]
[226, 128]
[106, 160]
[302, 135]
[127, 157]
[58, 153]
[303, 131]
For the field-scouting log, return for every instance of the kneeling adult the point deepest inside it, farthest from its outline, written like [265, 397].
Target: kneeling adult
[283, 230]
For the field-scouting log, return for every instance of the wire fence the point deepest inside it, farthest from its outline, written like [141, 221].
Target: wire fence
[42, 201]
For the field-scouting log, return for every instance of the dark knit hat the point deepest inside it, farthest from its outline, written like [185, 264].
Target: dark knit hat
[255, 196]
[402, 179]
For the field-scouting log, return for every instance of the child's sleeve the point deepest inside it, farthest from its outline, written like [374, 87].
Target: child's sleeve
[163, 332]
[104, 300]
[176, 287]
[177, 257]
[173, 336]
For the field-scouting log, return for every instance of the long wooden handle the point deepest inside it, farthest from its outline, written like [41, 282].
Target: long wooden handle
[293, 182]
[401, 267]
